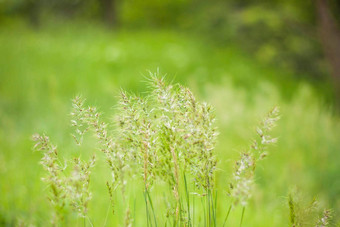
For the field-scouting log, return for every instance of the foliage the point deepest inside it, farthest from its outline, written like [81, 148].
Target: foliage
[280, 33]
[72, 189]
[302, 214]
[243, 177]
[40, 70]
[160, 137]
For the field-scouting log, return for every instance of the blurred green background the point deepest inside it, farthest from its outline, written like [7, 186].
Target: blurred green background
[244, 57]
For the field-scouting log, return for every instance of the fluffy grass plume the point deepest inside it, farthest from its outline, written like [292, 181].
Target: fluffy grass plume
[304, 213]
[164, 137]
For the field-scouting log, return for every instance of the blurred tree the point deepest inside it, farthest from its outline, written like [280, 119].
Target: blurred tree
[154, 13]
[30, 9]
[295, 35]
[109, 11]
[290, 34]
[330, 39]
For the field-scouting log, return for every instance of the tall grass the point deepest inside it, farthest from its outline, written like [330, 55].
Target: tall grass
[41, 70]
[165, 137]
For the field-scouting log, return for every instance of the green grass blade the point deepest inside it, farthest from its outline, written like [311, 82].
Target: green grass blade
[226, 217]
[188, 199]
[242, 215]
[147, 210]
[153, 211]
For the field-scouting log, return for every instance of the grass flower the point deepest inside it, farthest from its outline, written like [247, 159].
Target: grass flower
[54, 177]
[243, 176]
[304, 213]
[324, 219]
[78, 186]
[167, 135]
[65, 189]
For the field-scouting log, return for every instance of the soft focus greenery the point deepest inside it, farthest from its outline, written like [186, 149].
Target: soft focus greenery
[282, 33]
[42, 70]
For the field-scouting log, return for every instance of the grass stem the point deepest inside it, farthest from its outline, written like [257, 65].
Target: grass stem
[153, 211]
[243, 209]
[226, 217]
[188, 199]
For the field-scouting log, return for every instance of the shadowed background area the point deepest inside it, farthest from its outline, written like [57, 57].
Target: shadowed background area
[243, 57]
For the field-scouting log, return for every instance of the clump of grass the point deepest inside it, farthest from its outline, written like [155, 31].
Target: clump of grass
[54, 177]
[243, 176]
[165, 136]
[65, 189]
[244, 171]
[304, 213]
[77, 185]
[325, 218]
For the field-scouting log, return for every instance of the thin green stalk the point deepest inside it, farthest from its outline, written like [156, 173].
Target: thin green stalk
[205, 217]
[242, 215]
[291, 209]
[90, 221]
[193, 211]
[153, 211]
[225, 220]
[134, 211]
[209, 215]
[188, 199]
[107, 215]
[213, 205]
[180, 211]
[215, 208]
[165, 203]
[212, 208]
[147, 210]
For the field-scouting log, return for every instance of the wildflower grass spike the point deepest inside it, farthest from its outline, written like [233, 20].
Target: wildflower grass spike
[243, 176]
[54, 177]
[161, 142]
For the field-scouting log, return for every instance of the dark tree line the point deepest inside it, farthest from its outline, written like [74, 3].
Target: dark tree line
[328, 28]
[297, 35]
[33, 10]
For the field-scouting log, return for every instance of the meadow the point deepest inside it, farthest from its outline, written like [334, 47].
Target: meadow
[41, 71]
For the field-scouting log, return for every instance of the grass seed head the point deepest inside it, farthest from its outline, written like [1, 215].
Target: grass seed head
[244, 171]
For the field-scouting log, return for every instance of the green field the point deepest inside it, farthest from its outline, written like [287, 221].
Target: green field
[42, 70]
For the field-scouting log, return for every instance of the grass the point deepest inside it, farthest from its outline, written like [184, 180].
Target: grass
[41, 71]
[157, 139]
